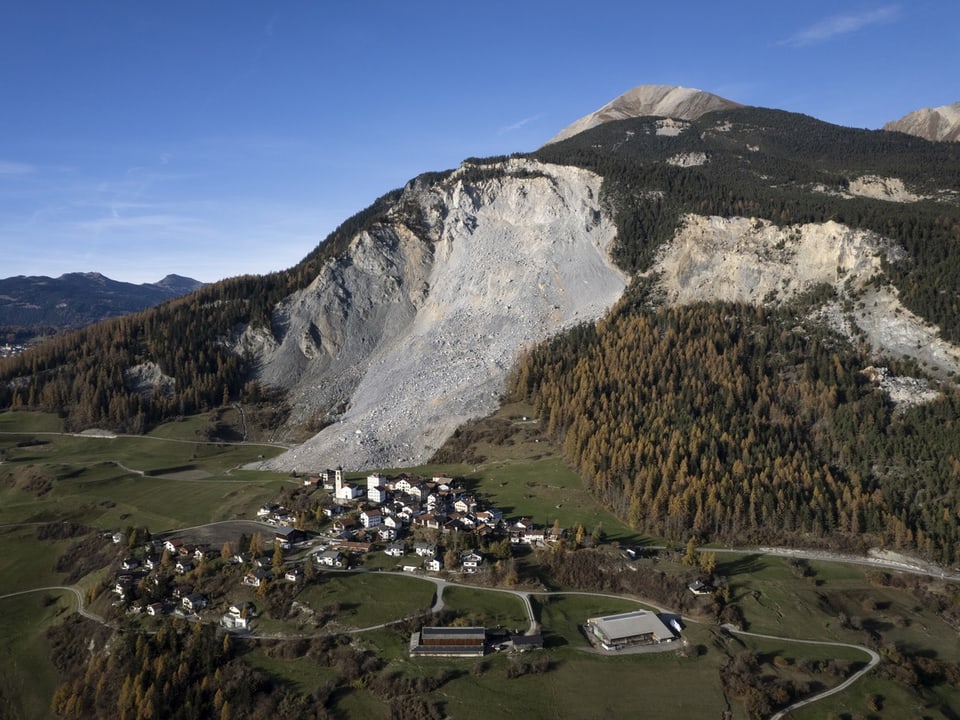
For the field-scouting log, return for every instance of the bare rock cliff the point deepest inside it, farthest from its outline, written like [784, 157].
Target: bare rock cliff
[753, 261]
[414, 330]
[937, 124]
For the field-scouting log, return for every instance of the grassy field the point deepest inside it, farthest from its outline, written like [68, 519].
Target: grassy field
[486, 607]
[114, 482]
[367, 599]
[27, 562]
[776, 602]
[29, 677]
[98, 482]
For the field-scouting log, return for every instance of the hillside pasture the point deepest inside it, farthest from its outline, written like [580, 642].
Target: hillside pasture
[366, 599]
[113, 482]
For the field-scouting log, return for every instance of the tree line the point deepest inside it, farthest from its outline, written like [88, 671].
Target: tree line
[735, 423]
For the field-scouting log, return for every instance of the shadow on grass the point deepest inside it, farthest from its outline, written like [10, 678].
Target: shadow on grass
[742, 566]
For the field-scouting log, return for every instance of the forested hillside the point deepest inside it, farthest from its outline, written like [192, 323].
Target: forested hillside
[743, 423]
[81, 375]
[733, 424]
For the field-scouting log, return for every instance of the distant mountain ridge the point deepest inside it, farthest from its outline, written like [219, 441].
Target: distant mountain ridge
[940, 124]
[38, 303]
[650, 101]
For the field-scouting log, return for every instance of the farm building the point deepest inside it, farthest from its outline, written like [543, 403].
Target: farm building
[448, 641]
[639, 627]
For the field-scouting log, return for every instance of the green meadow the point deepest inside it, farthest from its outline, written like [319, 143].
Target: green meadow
[367, 599]
[169, 480]
[153, 481]
[29, 676]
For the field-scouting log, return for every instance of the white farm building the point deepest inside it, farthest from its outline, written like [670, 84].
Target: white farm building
[640, 627]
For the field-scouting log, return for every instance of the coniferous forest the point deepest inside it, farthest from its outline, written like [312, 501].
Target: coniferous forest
[728, 423]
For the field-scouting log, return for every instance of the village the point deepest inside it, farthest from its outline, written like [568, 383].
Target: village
[431, 527]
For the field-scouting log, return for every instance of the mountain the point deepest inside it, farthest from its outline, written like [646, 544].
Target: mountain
[415, 327]
[650, 101]
[743, 322]
[39, 303]
[937, 124]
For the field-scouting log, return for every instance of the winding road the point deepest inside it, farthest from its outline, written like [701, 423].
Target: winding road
[874, 659]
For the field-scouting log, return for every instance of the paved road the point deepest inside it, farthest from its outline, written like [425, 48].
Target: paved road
[874, 659]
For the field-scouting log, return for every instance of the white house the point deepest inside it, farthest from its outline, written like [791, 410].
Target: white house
[394, 550]
[490, 517]
[376, 480]
[423, 549]
[378, 494]
[256, 577]
[465, 505]
[330, 558]
[471, 561]
[235, 622]
[371, 518]
[173, 545]
[433, 565]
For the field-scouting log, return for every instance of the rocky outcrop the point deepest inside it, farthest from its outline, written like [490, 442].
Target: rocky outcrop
[937, 124]
[414, 330]
[650, 101]
[754, 261]
[148, 380]
[750, 260]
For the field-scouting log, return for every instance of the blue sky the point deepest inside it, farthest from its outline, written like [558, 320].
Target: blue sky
[223, 137]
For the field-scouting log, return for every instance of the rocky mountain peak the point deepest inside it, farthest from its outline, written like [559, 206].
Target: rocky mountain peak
[940, 124]
[650, 100]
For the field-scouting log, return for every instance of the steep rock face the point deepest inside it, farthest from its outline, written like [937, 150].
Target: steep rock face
[413, 332]
[749, 260]
[937, 124]
[650, 100]
[753, 261]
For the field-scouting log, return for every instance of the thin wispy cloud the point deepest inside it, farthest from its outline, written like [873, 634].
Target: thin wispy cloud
[15, 168]
[518, 125]
[837, 25]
